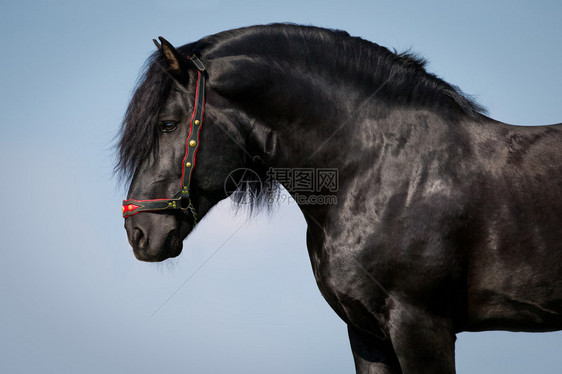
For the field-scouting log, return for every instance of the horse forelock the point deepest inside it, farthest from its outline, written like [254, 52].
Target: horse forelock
[138, 134]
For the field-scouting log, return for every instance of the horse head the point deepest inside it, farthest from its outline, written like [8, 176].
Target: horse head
[181, 172]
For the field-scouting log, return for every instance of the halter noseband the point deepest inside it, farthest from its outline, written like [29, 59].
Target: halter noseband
[181, 200]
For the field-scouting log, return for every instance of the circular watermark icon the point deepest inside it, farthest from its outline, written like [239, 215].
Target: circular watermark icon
[243, 185]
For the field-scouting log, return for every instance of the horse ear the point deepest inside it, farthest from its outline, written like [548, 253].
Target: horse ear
[177, 64]
[158, 46]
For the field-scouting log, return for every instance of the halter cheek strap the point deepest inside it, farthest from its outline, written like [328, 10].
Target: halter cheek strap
[181, 200]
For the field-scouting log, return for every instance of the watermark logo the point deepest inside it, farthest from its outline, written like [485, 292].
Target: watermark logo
[304, 186]
[242, 185]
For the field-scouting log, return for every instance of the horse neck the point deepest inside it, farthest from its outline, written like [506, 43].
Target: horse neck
[302, 116]
[299, 116]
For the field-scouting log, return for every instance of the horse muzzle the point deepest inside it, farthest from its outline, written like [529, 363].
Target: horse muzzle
[154, 236]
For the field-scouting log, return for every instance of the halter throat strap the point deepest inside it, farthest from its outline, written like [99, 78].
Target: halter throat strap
[181, 200]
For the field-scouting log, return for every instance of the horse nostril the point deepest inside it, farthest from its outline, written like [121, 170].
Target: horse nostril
[139, 239]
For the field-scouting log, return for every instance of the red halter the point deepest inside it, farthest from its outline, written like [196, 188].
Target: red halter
[181, 200]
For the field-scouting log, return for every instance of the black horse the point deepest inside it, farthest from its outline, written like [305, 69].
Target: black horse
[441, 220]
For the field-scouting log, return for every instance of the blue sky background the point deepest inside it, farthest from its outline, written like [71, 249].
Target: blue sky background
[73, 299]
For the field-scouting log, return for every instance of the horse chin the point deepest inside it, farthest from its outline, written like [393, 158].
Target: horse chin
[172, 248]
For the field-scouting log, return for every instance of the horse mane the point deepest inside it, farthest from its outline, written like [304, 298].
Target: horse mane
[138, 133]
[405, 78]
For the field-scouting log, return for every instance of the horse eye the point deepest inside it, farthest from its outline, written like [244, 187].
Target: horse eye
[168, 126]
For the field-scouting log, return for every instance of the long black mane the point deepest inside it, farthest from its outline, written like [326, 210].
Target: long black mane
[406, 81]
